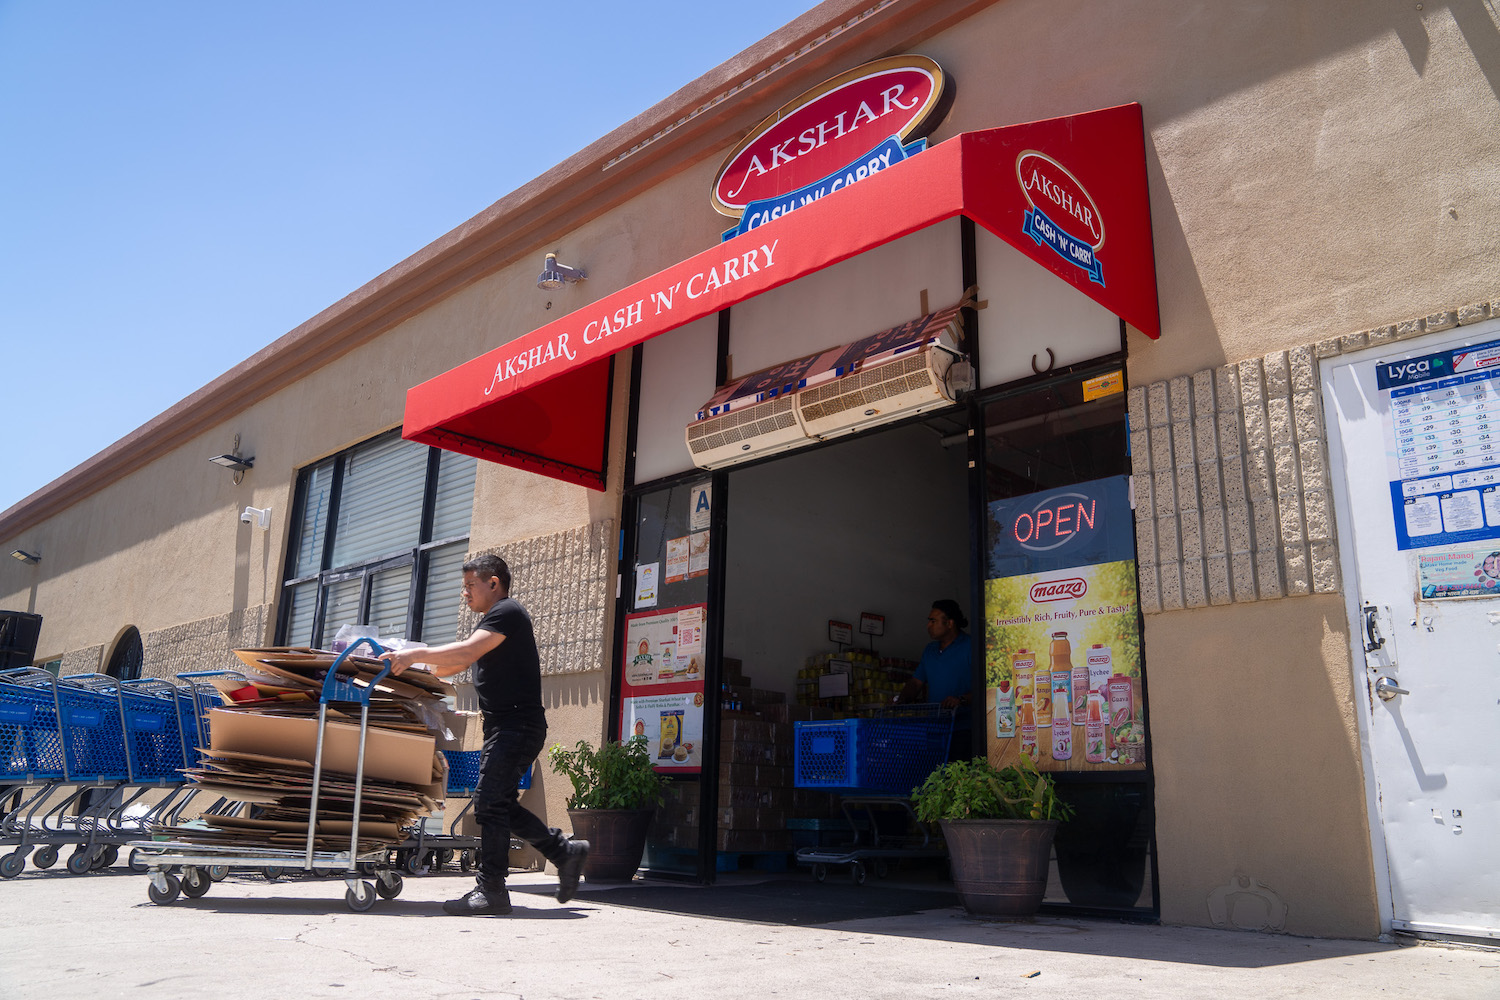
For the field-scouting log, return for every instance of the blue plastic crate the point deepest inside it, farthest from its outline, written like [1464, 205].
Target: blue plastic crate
[463, 772]
[30, 741]
[883, 756]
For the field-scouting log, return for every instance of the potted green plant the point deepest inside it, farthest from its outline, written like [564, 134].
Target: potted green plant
[999, 824]
[615, 793]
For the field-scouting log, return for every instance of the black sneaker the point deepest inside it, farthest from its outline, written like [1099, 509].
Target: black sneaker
[480, 902]
[569, 866]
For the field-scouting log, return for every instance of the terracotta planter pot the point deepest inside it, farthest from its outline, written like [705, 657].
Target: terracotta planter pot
[617, 839]
[1000, 865]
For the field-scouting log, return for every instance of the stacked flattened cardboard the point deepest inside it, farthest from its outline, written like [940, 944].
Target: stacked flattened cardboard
[263, 743]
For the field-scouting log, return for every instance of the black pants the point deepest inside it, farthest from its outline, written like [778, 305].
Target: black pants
[512, 740]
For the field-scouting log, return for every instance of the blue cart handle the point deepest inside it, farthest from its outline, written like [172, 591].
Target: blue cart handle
[331, 678]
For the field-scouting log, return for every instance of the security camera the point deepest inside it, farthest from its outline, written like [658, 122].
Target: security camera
[256, 515]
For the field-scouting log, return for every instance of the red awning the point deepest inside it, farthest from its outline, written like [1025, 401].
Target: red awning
[1070, 193]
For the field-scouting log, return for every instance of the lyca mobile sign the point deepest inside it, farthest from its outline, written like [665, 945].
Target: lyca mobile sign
[829, 137]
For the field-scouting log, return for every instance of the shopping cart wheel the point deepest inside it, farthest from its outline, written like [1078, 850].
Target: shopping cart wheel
[882, 870]
[135, 861]
[161, 897]
[444, 858]
[106, 857]
[81, 860]
[820, 872]
[857, 873]
[414, 865]
[12, 864]
[360, 899]
[45, 858]
[271, 873]
[466, 861]
[195, 882]
[218, 873]
[391, 890]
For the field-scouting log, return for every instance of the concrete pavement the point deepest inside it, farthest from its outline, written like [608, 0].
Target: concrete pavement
[64, 936]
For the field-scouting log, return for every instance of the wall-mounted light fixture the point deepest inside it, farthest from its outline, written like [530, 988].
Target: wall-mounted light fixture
[554, 274]
[256, 515]
[29, 558]
[235, 461]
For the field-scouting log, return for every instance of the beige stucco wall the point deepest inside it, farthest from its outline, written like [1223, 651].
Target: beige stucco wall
[1257, 760]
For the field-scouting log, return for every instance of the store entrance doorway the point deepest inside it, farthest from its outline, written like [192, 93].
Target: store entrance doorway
[834, 559]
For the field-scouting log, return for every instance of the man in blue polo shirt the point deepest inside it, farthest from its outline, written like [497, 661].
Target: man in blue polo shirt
[946, 671]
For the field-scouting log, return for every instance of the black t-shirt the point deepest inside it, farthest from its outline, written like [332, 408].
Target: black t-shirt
[509, 677]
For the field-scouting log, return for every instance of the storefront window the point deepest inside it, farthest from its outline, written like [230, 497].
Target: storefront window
[381, 531]
[1063, 665]
[663, 696]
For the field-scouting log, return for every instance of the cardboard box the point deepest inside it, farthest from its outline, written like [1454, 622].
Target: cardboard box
[467, 729]
[389, 756]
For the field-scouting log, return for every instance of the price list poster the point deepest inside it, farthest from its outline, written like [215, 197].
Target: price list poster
[1443, 445]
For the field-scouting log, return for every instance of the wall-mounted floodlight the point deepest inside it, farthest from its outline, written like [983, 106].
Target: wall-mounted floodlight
[554, 274]
[29, 558]
[256, 515]
[234, 462]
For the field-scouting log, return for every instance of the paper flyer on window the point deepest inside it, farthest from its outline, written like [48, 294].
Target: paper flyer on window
[661, 689]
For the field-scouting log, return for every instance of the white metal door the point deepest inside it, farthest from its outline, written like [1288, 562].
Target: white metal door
[1419, 509]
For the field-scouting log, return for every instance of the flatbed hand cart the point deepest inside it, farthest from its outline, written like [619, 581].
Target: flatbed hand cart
[874, 764]
[164, 860]
[422, 851]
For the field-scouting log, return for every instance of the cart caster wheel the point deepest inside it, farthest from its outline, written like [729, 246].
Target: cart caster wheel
[81, 860]
[444, 858]
[882, 870]
[161, 897]
[106, 857]
[820, 872]
[389, 891]
[361, 899]
[218, 873]
[12, 864]
[857, 873]
[271, 873]
[195, 882]
[466, 861]
[135, 861]
[45, 858]
[414, 866]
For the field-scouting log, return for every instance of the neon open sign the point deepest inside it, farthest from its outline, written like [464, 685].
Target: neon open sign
[1055, 521]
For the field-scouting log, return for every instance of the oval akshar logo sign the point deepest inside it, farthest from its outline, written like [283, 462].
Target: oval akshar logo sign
[830, 127]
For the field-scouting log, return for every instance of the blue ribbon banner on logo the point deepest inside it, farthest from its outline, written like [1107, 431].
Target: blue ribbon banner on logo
[1076, 252]
[882, 157]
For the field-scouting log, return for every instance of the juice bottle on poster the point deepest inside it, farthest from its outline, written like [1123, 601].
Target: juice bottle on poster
[1023, 669]
[1062, 728]
[1101, 665]
[1119, 709]
[1080, 691]
[1027, 725]
[1094, 728]
[1005, 710]
[1062, 659]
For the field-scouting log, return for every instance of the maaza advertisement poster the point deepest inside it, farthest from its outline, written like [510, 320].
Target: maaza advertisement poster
[662, 685]
[1062, 630]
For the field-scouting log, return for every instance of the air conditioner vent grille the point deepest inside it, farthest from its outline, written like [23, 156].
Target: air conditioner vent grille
[867, 388]
[741, 425]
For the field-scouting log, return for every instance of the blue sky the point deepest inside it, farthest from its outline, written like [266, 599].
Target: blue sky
[184, 182]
